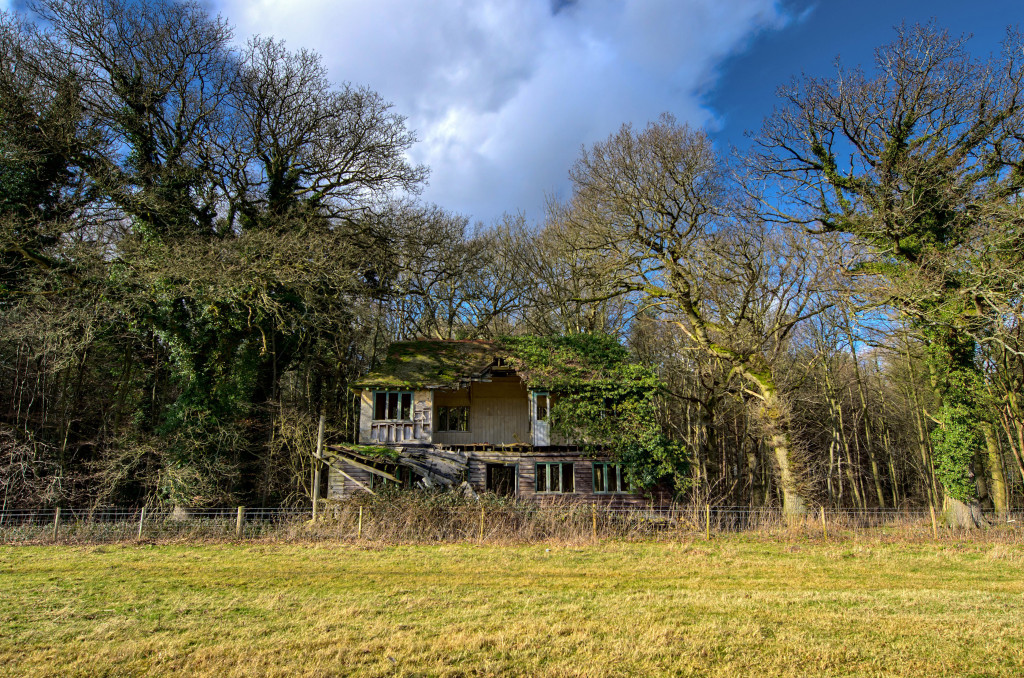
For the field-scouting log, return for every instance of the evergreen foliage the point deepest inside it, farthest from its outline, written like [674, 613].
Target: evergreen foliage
[603, 399]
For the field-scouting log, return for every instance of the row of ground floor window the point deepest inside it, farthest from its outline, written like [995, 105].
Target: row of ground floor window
[504, 476]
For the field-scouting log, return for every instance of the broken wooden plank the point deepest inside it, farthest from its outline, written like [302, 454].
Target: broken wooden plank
[367, 468]
[362, 485]
[427, 473]
[342, 472]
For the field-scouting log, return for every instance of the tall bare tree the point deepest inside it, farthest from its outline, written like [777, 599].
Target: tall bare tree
[658, 207]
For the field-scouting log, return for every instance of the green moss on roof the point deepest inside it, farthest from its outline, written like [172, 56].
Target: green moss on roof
[425, 363]
[554, 363]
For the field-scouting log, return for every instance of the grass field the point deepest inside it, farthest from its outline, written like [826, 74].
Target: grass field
[734, 606]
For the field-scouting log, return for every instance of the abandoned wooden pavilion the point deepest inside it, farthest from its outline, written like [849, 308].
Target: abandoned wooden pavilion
[456, 414]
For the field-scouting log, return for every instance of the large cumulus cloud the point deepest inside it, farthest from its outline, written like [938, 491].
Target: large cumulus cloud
[503, 93]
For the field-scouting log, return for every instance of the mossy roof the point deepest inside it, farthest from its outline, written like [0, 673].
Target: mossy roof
[431, 363]
[559, 363]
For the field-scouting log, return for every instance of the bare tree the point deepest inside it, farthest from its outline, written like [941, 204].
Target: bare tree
[659, 208]
[298, 142]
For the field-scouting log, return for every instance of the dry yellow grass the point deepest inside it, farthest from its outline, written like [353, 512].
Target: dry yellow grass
[734, 606]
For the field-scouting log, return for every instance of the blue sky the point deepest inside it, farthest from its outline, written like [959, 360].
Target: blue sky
[503, 93]
[746, 90]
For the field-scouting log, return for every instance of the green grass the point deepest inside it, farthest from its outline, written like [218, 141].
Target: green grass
[735, 606]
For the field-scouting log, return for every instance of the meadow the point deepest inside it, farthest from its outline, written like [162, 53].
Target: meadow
[734, 605]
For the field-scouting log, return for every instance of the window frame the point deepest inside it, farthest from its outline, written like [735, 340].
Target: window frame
[515, 476]
[444, 420]
[399, 395]
[546, 395]
[622, 487]
[560, 475]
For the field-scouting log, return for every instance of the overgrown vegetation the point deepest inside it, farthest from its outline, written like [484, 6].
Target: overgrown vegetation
[203, 247]
[603, 399]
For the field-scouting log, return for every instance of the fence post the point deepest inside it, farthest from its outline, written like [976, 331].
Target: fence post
[56, 522]
[935, 524]
[239, 521]
[481, 523]
[359, 533]
[593, 516]
[142, 518]
[707, 521]
[824, 530]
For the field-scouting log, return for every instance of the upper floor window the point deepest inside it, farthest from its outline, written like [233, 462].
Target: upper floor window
[542, 406]
[392, 405]
[453, 418]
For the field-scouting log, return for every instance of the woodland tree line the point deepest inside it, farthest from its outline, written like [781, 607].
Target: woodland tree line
[202, 246]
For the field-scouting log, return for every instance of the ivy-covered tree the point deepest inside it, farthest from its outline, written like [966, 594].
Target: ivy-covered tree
[915, 160]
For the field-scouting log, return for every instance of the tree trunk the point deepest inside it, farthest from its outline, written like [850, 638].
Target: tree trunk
[775, 416]
[997, 479]
[963, 514]
[792, 501]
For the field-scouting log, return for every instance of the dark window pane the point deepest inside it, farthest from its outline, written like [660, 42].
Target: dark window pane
[599, 478]
[542, 477]
[380, 405]
[406, 407]
[568, 478]
[613, 477]
[542, 407]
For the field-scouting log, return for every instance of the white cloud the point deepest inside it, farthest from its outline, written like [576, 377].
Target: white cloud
[503, 93]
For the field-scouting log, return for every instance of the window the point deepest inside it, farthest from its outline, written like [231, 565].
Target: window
[608, 478]
[453, 418]
[542, 406]
[555, 477]
[392, 405]
[501, 479]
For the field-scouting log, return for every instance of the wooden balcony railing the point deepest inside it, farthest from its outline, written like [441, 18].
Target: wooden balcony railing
[394, 431]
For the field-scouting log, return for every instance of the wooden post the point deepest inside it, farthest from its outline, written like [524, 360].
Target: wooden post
[239, 521]
[142, 518]
[481, 523]
[593, 515]
[316, 463]
[935, 523]
[824, 530]
[56, 522]
[707, 521]
[359, 533]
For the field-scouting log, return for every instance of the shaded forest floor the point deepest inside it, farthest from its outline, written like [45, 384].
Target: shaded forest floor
[738, 605]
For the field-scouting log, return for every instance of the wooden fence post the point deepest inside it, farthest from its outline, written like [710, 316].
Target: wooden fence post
[56, 522]
[707, 521]
[481, 523]
[359, 533]
[142, 518]
[239, 521]
[824, 530]
[593, 516]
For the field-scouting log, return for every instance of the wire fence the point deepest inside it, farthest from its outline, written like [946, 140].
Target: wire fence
[425, 522]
